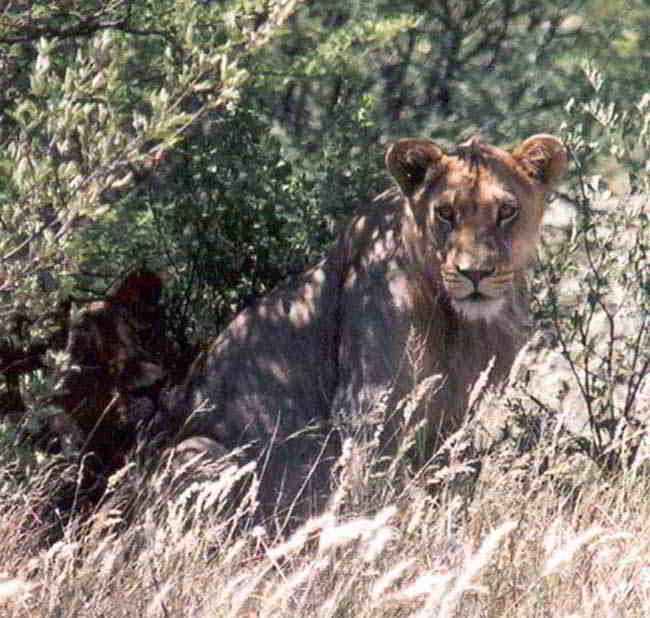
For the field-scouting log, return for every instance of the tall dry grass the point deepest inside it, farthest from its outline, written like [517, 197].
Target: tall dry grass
[545, 534]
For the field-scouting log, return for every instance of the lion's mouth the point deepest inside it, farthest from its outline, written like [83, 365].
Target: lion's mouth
[477, 306]
[475, 297]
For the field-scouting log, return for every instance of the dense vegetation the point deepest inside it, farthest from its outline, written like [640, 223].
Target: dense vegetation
[221, 143]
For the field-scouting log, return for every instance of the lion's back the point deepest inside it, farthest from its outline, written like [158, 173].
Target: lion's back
[278, 366]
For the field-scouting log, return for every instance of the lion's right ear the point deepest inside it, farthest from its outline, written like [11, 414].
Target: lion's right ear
[141, 288]
[409, 159]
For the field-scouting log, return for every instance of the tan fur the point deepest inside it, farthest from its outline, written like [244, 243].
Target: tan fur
[395, 286]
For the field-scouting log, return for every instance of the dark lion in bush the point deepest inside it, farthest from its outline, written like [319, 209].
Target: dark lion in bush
[438, 260]
[115, 365]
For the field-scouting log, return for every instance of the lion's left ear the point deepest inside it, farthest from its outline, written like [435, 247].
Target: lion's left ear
[544, 158]
[409, 159]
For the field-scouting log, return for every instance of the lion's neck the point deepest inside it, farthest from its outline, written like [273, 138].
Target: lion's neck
[461, 348]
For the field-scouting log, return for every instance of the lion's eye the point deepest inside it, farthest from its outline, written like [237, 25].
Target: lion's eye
[445, 214]
[507, 213]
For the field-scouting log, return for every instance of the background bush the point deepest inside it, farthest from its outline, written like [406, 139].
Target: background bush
[222, 142]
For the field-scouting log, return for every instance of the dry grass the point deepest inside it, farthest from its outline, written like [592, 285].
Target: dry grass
[564, 542]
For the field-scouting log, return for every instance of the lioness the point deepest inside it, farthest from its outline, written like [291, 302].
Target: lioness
[439, 260]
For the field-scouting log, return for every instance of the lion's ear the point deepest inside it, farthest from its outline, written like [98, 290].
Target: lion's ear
[141, 288]
[544, 158]
[409, 159]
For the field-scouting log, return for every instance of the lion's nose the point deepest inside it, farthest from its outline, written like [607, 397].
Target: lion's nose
[475, 275]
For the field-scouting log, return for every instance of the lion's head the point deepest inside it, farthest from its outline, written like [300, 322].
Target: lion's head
[475, 215]
[114, 365]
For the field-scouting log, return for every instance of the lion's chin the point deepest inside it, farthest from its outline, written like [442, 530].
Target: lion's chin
[478, 307]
